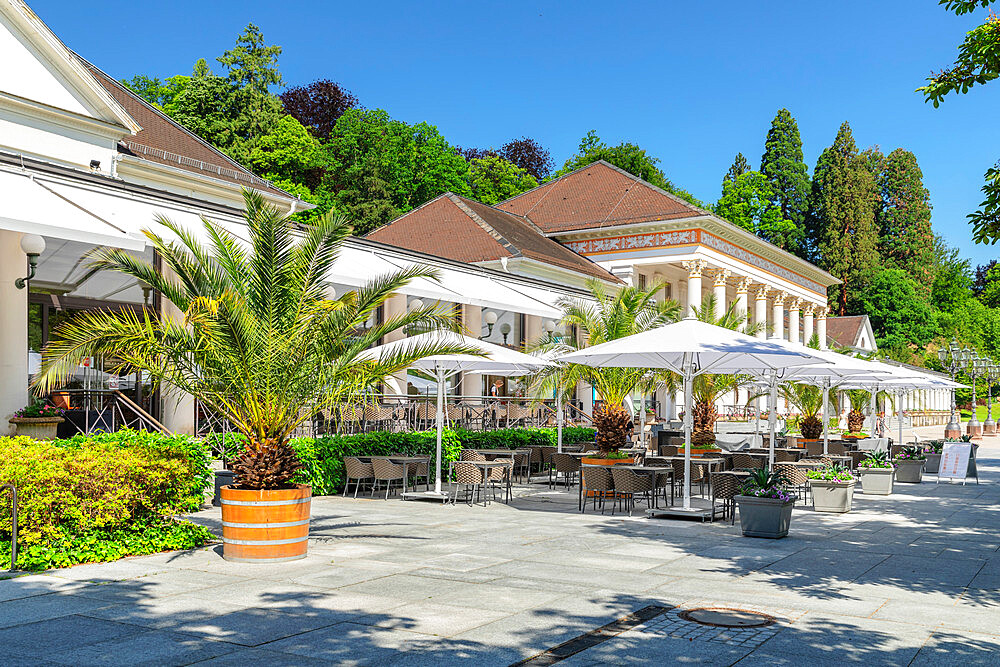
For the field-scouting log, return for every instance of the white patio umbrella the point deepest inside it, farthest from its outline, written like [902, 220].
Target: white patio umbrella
[837, 369]
[495, 360]
[691, 348]
[905, 379]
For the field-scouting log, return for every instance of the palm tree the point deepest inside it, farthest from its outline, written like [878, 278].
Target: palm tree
[260, 341]
[627, 311]
[808, 400]
[859, 400]
[708, 389]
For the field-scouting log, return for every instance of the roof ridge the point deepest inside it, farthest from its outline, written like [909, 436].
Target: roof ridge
[487, 227]
[228, 161]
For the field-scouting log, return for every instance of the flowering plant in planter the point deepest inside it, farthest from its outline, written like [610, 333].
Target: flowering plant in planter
[934, 447]
[766, 483]
[834, 473]
[912, 453]
[859, 435]
[616, 455]
[877, 459]
[39, 410]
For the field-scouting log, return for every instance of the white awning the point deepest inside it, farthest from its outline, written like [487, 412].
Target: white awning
[31, 206]
[357, 265]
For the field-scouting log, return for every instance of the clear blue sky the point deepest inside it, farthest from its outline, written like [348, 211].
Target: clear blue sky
[692, 82]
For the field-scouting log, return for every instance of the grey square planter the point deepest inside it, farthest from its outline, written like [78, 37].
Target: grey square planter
[910, 472]
[832, 496]
[764, 517]
[932, 464]
[876, 481]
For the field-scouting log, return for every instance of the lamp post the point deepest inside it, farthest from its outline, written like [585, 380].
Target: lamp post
[951, 358]
[992, 373]
[974, 369]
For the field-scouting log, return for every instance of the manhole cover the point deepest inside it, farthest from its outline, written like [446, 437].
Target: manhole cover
[727, 618]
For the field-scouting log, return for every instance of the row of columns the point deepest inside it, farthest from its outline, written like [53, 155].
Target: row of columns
[813, 316]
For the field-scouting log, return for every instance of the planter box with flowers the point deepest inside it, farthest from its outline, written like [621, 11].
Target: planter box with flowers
[876, 473]
[910, 465]
[932, 450]
[832, 489]
[39, 420]
[702, 443]
[765, 505]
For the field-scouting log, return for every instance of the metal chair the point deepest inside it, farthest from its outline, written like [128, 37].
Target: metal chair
[725, 486]
[596, 482]
[629, 483]
[568, 465]
[359, 471]
[388, 472]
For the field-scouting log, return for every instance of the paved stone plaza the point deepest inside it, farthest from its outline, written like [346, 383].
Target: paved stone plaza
[913, 578]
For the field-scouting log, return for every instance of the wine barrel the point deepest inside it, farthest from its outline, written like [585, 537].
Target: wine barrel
[265, 525]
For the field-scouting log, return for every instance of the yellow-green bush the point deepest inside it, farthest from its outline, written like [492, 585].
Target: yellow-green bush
[75, 490]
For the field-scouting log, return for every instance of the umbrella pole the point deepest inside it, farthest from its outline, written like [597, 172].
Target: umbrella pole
[826, 416]
[559, 418]
[873, 407]
[772, 417]
[899, 413]
[687, 435]
[439, 374]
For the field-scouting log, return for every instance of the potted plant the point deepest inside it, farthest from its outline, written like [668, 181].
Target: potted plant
[910, 465]
[765, 504]
[609, 459]
[855, 435]
[38, 420]
[832, 489]
[260, 342]
[808, 400]
[703, 442]
[932, 450]
[876, 472]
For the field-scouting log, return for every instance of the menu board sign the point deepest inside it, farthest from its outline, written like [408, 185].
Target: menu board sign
[955, 460]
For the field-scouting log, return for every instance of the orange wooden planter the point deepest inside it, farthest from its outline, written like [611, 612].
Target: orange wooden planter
[265, 526]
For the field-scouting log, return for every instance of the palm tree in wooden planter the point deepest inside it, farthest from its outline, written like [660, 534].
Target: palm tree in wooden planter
[611, 315]
[259, 340]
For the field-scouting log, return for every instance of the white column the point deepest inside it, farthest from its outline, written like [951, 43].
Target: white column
[719, 290]
[760, 309]
[778, 315]
[625, 273]
[821, 326]
[177, 408]
[393, 307]
[13, 329]
[793, 320]
[472, 320]
[532, 330]
[807, 323]
[743, 300]
[695, 268]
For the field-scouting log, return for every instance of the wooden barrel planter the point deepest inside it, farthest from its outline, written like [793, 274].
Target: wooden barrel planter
[265, 526]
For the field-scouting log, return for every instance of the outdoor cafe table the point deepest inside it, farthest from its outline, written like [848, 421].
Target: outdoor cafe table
[652, 471]
[405, 460]
[708, 463]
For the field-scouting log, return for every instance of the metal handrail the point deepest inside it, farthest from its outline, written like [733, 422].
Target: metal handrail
[144, 416]
[13, 529]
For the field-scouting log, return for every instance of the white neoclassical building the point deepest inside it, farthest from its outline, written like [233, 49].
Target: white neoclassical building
[85, 163]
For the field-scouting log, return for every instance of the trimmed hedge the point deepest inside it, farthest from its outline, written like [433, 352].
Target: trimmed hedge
[323, 457]
[90, 499]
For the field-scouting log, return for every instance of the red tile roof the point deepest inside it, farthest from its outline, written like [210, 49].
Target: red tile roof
[468, 231]
[844, 330]
[163, 141]
[598, 195]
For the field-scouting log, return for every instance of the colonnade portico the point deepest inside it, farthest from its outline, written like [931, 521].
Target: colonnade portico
[804, 318]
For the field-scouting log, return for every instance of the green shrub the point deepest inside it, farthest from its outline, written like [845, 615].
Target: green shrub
[194, 451]
[323, 457]
[100, 546]
[71, 489]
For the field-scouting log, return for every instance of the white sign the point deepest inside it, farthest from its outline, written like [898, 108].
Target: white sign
[955, 460]
[113, 382]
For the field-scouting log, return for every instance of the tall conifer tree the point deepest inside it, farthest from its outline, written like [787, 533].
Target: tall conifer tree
[783, 164]
[842, 218]
[739, 167]
[904, 217]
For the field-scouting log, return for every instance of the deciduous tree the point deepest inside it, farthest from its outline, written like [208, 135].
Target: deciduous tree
[318, 105]
[749, 202]
[492, 179]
